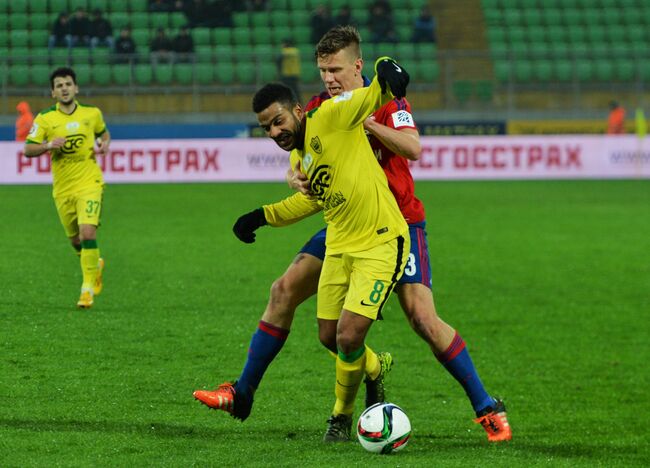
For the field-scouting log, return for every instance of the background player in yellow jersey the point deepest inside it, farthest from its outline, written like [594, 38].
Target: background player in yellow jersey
[73, 133]
[367, 240]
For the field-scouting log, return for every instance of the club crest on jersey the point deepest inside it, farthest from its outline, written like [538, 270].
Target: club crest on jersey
[316, 145]
[306, 161]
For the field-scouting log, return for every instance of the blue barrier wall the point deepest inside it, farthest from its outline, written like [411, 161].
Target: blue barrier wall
[160, 131]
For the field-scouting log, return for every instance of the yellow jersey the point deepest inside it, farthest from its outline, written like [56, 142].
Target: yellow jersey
[348, 184]
[74, 166]
[290, 62]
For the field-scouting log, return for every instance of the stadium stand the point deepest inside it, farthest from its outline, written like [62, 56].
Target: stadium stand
[534, 41]
[241, 55]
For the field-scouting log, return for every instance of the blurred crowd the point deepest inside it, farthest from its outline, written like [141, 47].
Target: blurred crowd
[92, 29]
[380, 22]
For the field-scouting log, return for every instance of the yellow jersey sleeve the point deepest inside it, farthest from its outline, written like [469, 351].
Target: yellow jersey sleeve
[100, 125]
[290, 210]
[39, 130]
[350, 109]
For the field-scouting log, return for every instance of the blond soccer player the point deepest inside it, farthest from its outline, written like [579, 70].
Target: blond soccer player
[74, 134]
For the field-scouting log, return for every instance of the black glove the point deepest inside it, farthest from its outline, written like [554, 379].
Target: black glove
[246, 225]
[389, 72]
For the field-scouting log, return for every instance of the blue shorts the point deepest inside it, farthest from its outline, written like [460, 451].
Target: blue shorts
[418, 266]
[316, 245]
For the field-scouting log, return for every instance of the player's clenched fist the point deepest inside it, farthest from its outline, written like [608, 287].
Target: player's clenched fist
[247, 224]
[391, 74]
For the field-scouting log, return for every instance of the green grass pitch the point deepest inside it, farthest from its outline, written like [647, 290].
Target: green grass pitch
[548, 283]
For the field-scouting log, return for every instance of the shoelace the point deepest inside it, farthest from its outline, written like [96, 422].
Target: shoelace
[491, 422]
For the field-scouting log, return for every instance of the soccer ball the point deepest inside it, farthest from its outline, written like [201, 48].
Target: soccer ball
[383, 428]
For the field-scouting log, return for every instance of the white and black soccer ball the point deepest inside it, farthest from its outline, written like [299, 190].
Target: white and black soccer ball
[383, 428]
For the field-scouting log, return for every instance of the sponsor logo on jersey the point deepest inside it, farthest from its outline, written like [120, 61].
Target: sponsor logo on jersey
[402, 118]
[320, 182]
[316, 145]
[73, 143]
[72, 126]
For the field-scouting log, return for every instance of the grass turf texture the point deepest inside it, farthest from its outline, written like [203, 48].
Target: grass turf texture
[548, 282]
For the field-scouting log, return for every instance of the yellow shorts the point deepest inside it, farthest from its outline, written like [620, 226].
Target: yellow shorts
[361, 282]
[84, 207]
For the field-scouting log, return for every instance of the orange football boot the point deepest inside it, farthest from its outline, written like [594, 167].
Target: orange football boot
[227, 399]
[495, 422]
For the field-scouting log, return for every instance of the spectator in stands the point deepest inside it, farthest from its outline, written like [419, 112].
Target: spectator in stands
[196, 12]
[344, 17]
[161, 47]
[424, 29]
[60, 36]
[381, 24]
[101, 31]
[616, 119]
[321, 22]
[220, 13]
[125, 47]
[289, 66]
[161, 5]
[24, 121]
[80, 28]
[183, 45]
[257, 5]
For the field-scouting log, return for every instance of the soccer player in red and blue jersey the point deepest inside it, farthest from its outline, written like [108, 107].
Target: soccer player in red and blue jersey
[394, 139]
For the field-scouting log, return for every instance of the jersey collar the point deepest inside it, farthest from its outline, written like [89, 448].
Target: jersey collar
[76, 106]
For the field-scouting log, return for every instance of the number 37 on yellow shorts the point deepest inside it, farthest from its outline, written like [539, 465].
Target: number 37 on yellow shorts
[84, 207]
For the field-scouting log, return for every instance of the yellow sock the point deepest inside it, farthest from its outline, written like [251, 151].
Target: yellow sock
[349, 373]
[89, 261]
[373, 367]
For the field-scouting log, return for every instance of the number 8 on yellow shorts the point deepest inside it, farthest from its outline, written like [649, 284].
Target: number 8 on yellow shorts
[79, 208]
[361, 282]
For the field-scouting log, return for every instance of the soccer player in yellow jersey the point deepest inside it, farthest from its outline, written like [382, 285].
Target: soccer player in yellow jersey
[74, 133]
[367, 241]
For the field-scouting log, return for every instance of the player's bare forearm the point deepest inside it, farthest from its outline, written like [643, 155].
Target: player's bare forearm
[404, 142]
[103, 143]
[33, 150]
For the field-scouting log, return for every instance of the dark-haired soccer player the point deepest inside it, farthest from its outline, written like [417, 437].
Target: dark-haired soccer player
[394, 139]
[367, 241]
[70, 131]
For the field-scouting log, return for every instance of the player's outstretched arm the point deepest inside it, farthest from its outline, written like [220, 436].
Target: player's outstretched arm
[288, 211]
